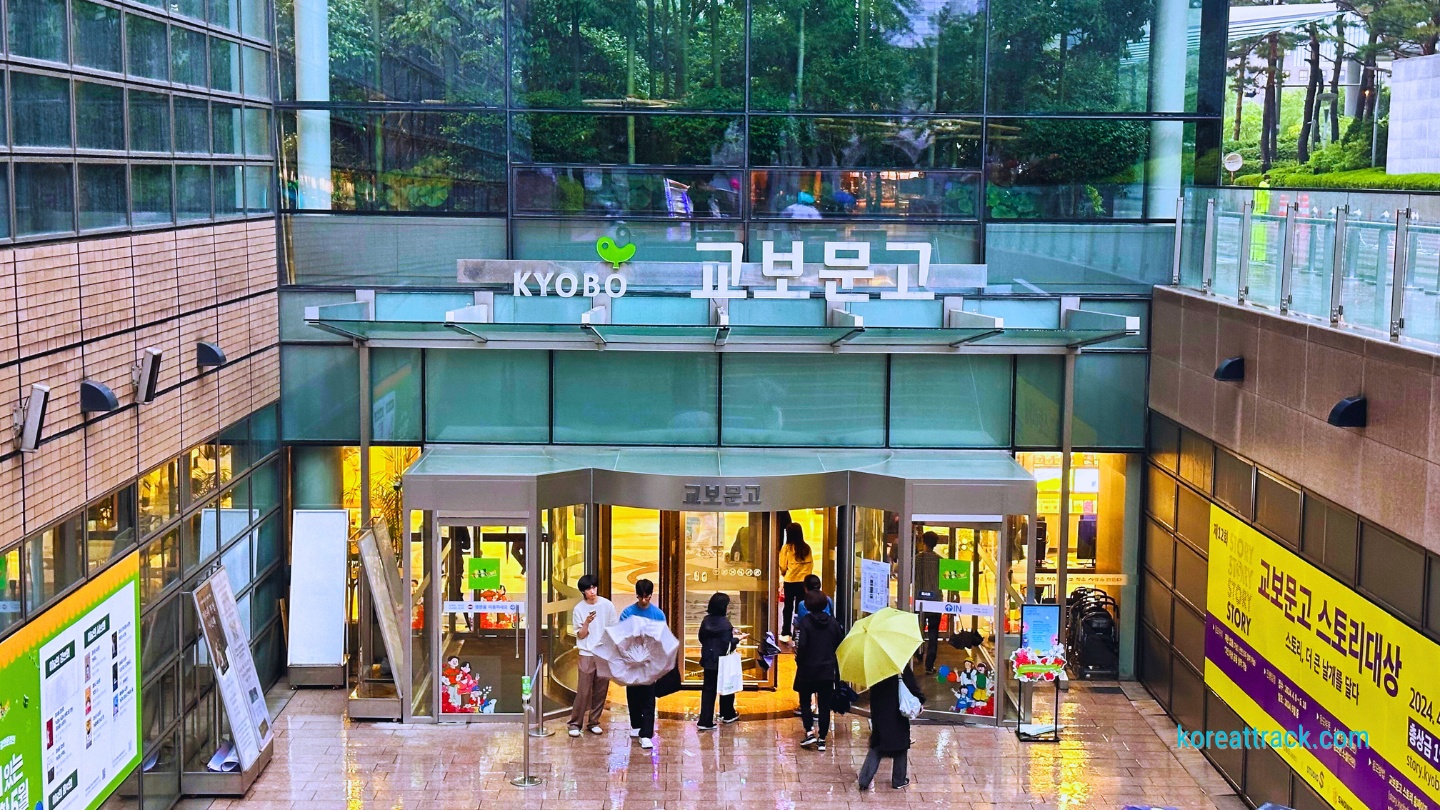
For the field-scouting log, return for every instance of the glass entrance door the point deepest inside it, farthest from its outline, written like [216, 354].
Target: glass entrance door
[955, 583]
[481, 572]
[727, 551]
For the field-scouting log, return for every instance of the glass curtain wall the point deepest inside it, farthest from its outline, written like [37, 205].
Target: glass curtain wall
[667, 123]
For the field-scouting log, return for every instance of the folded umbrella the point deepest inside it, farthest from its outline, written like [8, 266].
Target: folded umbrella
[636, 651]
[878, 647]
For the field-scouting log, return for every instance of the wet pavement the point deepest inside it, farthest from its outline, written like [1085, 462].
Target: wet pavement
[1114, 751]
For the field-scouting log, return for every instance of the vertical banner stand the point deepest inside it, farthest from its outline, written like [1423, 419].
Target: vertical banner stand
[1040, 659]
[526, 779]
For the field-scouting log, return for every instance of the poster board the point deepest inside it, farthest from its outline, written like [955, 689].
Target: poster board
[234, 667]
[390, 598]
[1288, 647]
[874, 585]
[317, 587]
[69, 697]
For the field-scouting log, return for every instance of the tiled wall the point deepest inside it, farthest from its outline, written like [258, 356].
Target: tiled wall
[86, 309]
[1388, 471]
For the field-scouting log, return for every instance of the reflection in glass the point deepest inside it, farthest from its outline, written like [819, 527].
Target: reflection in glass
[877, 55]
[225, 124]
[881, 143]
[225, 13]
[1066, 169]
[37, 29]
[11, 604]
[192, 192]
[41, 106]
[102, 196]
[255, 68]
[635, 54]
[1069, 57]
[673, 140]
[55, 560]
[99, 116]
[257, 189]
[44, 199]
[150, 187]
[97, 36]
[224, 65]
[951, 244]
[192, 125]
[574, 240]
[406, 161]
[257, 132]
[187, 56]
[869, 193]
[397, 51]
[110, 527]
[149, 122]
[159, 565]
[628, 192]
[149, 55]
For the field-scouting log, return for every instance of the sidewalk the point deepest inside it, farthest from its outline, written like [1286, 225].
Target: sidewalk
[1114, 752]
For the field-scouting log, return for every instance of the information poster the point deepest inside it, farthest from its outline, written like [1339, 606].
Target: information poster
[874, 585]
[1290, 648]
[69, 697]
[235, 673]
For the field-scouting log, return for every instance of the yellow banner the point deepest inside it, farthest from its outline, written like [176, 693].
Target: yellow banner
[1293, 650]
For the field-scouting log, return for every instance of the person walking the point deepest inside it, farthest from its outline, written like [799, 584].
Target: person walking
[927, 587]
[588, 621]
[817, 636]
[641, 697]
[889, 729]
[795, 565]
[718, 637]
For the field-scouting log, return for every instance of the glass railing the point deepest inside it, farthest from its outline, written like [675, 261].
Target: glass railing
[1368, 261]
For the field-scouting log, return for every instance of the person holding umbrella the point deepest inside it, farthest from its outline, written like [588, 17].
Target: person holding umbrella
[641, 696]
[876, 656]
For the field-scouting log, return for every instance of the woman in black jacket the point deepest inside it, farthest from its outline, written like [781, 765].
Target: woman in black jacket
[817, 636]
[717, 638]
[889, 729]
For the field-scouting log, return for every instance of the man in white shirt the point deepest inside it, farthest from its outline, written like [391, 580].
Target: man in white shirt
[588, 621]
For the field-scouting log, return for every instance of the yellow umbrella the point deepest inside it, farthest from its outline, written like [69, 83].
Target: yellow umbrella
[877, 647]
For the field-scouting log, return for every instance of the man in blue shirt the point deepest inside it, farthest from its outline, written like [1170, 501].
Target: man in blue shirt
[642, 697]
[812, 585]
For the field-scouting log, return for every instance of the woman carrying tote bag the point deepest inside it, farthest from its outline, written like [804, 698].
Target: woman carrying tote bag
[718, 638]
[889, 729]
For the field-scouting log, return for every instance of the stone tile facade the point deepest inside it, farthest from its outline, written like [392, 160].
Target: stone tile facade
[85, 310]
[1295, 372]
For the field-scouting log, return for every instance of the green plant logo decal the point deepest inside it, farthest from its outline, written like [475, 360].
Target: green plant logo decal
[613, 253]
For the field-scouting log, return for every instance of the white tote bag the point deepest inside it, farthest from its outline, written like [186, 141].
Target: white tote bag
[910, 706]
[730, 680]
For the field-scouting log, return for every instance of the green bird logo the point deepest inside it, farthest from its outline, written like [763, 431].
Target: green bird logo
[613, 253]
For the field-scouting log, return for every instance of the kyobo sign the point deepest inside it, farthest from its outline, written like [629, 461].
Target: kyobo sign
[848, 273]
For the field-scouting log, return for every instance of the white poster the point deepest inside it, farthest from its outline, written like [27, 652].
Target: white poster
[88, 686]
[229, 644]
[317, 587]
[874, 585]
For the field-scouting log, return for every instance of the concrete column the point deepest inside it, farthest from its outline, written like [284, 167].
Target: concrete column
[1168, 48]
[312, 83]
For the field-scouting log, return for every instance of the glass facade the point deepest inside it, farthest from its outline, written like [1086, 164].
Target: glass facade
[94, 86]
[729, 122]
[218, 503]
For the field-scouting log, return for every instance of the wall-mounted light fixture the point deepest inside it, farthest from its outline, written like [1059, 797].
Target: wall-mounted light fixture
[96, 397]
[209, 355]
[146, 374]
[1349, 412]
[1231, 369]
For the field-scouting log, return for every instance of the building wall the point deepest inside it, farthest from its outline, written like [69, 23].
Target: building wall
[86, 309]
[1360, 504]
[1387, 472]
[1414, 144]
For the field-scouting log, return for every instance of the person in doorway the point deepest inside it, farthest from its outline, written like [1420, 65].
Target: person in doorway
[889, 729]
[927, 586]
[795, 565]
[588, 621]
[718, 637]
[812, 585]
[782, 522]
[817, 637]
[642, 696]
